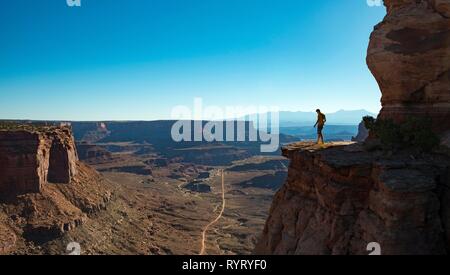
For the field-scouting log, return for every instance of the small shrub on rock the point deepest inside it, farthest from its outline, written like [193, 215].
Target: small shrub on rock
[413, 134]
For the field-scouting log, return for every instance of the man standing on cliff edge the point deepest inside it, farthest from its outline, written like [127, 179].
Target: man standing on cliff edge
[321, 119]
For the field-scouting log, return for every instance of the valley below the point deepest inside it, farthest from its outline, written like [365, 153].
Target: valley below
[158, 196]
[162, 212]
[168, 192]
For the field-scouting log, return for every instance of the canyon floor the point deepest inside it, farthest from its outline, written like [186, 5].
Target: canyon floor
[164, 210]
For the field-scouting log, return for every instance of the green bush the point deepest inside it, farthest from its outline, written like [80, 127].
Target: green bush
[414, 133]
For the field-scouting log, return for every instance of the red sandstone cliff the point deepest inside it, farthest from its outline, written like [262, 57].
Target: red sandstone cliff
[339, 199]
[44, 190]
[409, 55]
[29, 159]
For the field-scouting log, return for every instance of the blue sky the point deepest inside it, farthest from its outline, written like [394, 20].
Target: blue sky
[137, 59]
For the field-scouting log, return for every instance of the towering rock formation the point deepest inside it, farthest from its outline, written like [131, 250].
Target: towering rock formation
[29, 159]
[44, 190]
[63, 157]
[339, 199]
[409, 55]
[23, 162]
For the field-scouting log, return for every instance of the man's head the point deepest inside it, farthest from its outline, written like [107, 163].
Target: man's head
[318, 111]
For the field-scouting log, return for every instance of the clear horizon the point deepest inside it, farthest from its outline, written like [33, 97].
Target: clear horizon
[136, 60]
[169, 119]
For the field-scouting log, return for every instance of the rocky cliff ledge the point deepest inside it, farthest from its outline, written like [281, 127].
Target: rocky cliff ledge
[339, 198]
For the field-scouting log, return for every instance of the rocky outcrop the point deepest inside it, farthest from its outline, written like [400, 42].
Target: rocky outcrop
[31, 158]
[409, 55]
[90, 132]
[56, 210]
[363, 133]
[45, 191]
[91, 152]
[340, 198]
[24, 161]
[63, 156]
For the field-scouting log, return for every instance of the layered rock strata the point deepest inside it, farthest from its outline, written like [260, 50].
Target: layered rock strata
[29, 159]
[409, 55]
[339, 199]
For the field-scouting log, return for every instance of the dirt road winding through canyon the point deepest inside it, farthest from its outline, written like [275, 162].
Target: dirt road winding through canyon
[202, 250]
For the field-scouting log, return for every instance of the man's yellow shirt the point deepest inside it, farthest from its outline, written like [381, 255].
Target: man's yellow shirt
[321, 119]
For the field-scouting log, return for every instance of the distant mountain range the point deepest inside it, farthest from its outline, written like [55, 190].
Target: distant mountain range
[342, 117]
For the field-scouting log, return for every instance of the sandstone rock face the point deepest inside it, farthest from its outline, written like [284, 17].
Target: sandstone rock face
[37, 205]
[29, 159]
[63, 157]
[56, 210]
[24, 159]
[363, 133]
[339, 199]
[409, 55]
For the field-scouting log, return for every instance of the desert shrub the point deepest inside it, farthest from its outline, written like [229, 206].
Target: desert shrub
[15, 126]
[417, 133]
[414, 133]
